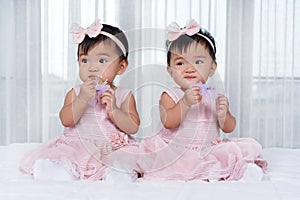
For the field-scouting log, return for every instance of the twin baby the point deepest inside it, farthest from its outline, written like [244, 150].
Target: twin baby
[100, 118]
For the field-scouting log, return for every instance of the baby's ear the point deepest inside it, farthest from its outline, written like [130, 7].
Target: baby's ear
[169, 70]
[213, 68]
[122, 66]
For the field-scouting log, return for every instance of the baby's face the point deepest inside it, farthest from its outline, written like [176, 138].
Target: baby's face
[194, 65]
[101, 61]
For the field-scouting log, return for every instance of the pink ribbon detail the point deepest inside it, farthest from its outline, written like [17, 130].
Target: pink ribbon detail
[174, 31]
[92, 31]
[118, 140]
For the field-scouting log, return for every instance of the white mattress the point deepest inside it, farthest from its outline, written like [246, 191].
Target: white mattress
[283, 184]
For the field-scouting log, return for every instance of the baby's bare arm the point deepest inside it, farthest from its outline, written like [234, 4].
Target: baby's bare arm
[171, 113]
[226, 120]
[126, 117]
[72, 109]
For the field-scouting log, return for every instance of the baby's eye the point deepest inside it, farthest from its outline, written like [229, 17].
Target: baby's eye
[102, 61]
[180, 63]
[84, 60]
[198, 62]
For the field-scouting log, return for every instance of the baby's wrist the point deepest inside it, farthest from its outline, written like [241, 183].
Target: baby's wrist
[82, 99]
[185, 103]
[112, 110]
[112, 113]
[224, 117]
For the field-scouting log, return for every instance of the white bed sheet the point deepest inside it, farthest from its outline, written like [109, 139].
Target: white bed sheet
[283, 184]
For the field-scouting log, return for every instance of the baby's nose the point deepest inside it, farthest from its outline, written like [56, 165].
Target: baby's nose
[190, 68]
[93, 68]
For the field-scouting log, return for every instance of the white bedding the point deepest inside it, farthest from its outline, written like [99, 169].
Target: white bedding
[283, 184]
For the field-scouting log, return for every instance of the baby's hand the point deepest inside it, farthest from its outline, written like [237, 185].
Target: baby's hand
[87, 90]
[192, 96]
[222, 106]
[108, 98]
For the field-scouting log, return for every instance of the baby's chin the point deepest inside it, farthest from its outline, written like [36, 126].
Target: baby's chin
[188, 84]
[184, 86]
[193, 81]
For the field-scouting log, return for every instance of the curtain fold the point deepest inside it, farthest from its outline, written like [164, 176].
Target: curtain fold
[21, 71]
[261, 77]
[238, 76]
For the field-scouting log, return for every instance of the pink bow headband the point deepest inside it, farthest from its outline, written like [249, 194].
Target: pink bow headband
[192, 28]
[93, 31]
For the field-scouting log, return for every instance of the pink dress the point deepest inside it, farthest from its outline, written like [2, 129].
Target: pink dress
[86, 149]
[194, 150]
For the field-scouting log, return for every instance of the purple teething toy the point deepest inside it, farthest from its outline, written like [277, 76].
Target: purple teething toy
[205, 91]
[100, 89]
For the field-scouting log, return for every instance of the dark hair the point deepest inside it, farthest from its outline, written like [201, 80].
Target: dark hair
[182, 43]
[89, 43]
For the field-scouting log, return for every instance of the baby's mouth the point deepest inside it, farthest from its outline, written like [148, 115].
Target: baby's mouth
[93, 77]
[190, 77]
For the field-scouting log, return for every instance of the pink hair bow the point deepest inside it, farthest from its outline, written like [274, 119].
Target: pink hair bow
[92, 31]
[174, 31]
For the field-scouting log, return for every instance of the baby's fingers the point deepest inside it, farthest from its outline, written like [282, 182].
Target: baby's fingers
[105, 99]
[221, 99]
[196, 89]
[196, 93]
[109, 92]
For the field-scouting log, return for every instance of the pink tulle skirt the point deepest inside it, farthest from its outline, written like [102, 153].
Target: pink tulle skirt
[225, 160]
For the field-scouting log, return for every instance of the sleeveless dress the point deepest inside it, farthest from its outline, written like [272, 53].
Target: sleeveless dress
[85, 148]
[194, 150]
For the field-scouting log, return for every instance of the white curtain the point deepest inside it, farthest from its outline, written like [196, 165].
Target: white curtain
[20, 71]
[262, 79]
[256, 53]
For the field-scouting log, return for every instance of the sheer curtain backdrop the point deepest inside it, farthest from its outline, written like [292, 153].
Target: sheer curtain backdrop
[256, 53]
